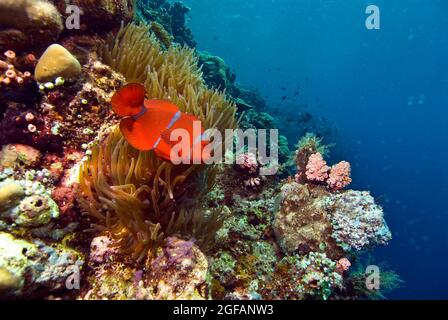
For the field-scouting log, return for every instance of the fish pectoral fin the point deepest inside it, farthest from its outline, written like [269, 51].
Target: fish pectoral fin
[136, 135]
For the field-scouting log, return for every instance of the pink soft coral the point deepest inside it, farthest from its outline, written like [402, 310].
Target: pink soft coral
[339, 176]
[316, 169]
[343, 265]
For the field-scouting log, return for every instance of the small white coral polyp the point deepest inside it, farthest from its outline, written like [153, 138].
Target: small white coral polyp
[358, 222]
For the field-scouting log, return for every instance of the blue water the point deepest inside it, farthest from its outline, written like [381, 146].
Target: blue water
[385, 90]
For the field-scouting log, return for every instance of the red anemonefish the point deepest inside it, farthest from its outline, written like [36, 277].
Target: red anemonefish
[148, 124]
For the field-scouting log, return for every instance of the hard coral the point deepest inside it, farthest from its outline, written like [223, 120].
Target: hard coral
[161, 34]
[56, 62]
[171, 15]
[99, 15]
[357, 220]
[26, 204]
[301, 223]
[28, 269]
[18, 155]
[16, 85]
[247, 164]
[178, 270]
[312, 276]
[28, 23]
[216, 73]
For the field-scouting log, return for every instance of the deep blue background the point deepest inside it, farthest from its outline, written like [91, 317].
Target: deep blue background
[386, 90]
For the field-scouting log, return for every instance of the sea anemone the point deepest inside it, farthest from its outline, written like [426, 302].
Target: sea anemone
[139, 197]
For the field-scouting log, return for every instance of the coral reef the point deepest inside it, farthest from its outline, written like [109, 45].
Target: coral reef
[316, 169]
[161, 34]
[170, 15]
[81, 209]
[117, 177]
[177, 271]
[28, 24]
[216, 73]
[302, 222]
[28, 266]
[56, 62]
[312, 276]
[99, 15]
[357, 220]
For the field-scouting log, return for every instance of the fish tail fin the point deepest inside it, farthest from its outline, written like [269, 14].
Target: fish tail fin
[128, 101]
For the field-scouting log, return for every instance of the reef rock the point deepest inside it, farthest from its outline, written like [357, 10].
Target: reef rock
[215, 71]
[301, 223]
[99, 15]
[10, 194]
[26, 267]
[25, 204]
[311, 276]
[179, 270]
[55, 62]
[28, 23]
[357, 220]
[18, 154]
[176, 271]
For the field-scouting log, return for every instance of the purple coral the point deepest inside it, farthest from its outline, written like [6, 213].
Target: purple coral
[101, 249]
[358, 222]
[175, 252]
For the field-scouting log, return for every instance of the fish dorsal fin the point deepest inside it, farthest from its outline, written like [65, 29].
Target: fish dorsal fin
[128, 101]
[162, 105]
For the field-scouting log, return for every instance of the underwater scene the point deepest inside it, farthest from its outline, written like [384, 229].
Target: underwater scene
[223, 150]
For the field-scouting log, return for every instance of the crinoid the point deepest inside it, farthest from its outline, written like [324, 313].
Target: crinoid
[140, 198]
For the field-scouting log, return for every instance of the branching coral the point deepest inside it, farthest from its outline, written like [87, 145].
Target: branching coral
[138, 196]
